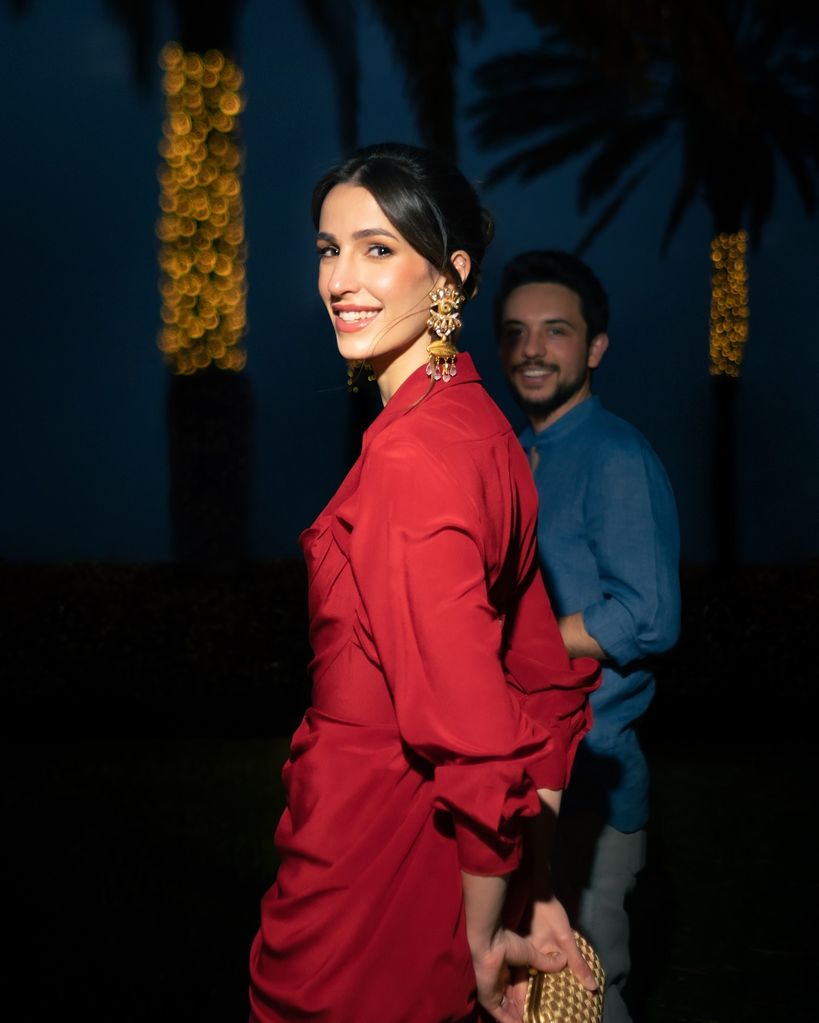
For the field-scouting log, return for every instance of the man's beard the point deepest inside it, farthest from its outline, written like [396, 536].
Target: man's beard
[542, 408]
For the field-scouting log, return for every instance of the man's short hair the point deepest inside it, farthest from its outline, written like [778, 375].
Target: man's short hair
[551, 266]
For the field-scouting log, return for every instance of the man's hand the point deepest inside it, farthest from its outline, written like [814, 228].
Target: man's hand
[577, 641]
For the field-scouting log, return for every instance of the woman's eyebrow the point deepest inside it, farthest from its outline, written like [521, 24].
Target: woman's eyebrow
[365, 232]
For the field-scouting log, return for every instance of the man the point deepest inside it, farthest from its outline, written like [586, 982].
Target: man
[609, 549]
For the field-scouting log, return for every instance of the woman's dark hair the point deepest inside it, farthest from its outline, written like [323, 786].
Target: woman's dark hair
[427, 199]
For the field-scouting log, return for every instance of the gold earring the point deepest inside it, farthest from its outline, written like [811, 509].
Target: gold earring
[355, 367]
[444, 323]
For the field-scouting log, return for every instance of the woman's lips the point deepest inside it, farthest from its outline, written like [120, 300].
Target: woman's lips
[350, 321]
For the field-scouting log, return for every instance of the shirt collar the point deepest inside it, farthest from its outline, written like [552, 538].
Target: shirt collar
[560, 427]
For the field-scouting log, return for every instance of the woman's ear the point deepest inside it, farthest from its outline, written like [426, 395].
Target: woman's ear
[462, 263]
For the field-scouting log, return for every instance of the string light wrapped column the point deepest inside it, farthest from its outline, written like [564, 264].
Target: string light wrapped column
[729, 302]
[201, 229]
[203, 286]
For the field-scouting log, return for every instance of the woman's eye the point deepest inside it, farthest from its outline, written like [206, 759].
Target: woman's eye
[380, 251]
[326, 250]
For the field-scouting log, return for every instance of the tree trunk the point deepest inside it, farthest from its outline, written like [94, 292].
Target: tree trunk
[209, 412]
[729, 332]
[723, 470]
[209, 428]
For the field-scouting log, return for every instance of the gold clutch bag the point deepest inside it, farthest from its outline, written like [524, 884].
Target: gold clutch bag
[561, 998]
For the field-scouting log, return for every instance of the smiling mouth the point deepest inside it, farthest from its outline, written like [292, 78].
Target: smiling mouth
[356, 315]
[535, 372]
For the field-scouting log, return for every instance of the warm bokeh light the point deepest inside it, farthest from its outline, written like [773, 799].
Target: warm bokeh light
[201, 230]
[729, 302]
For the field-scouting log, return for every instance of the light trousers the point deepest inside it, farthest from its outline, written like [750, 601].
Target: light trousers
[595, 871]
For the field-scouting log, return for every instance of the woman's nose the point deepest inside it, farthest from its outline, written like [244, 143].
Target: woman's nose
[342, 278]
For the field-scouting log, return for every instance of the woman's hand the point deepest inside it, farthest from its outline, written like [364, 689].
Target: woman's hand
[500, 976]
[500, 956]
[550, 931]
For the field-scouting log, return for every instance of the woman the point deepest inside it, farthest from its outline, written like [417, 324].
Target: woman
[445, 709]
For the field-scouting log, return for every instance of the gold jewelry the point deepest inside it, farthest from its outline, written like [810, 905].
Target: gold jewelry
[355, 367]
[444, 323]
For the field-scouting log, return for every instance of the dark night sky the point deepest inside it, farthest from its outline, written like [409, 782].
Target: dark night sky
[84, 389]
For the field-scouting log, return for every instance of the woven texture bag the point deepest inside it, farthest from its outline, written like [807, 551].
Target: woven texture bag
[561, 998]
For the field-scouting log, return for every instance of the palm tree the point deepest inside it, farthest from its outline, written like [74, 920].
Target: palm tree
[202, 404]
[425, 37]
[731, 83]
[333, 20]
[209, 410]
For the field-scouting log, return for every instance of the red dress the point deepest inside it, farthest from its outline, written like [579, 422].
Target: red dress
[442, 698]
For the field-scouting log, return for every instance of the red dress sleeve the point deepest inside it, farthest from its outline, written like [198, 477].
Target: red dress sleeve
[558, 697]
[416, 553]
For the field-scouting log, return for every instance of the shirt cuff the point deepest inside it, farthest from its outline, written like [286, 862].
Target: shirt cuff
[612, 626]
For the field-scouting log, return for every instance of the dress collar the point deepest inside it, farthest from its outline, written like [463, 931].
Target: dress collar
[417, 387]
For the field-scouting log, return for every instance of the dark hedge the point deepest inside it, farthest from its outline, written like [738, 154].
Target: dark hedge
[170, 649]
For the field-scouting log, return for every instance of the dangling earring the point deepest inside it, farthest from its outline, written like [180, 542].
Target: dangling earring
[444, 323]
[355, 367]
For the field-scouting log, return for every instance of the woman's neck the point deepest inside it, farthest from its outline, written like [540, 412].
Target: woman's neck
[390, 371]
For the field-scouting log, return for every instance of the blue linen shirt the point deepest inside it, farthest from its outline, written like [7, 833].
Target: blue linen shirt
[609, 547]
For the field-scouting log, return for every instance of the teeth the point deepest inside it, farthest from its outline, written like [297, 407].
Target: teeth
[535, 372]
[352, 315]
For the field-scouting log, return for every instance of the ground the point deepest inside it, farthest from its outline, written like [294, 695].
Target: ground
[147, 712]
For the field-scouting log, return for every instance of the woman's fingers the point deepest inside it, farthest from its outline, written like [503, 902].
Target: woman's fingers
[507, 1011]
[551, 929]
[502, 992]
[516, 994]
[580, 968]
[548, 962]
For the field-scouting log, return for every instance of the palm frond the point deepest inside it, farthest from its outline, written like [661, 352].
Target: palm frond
[332, 19]
[800, 171]
[625, 141]
[529, 163]
[689, 186]
[139, 23]
[761, 193]
[741, 77]
[611, 211]
[527, 65]
[535, 114]
[528, 105]
[795, 134]
[424, 40]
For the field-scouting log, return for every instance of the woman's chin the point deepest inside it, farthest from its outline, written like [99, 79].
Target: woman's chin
[353, 351]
